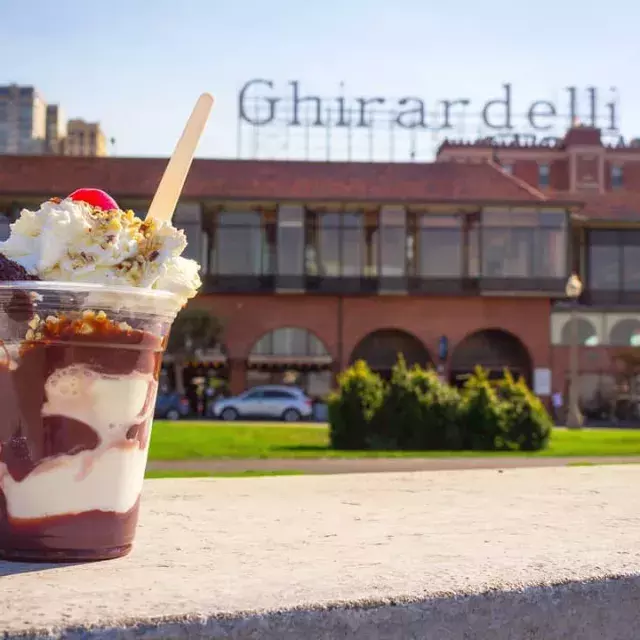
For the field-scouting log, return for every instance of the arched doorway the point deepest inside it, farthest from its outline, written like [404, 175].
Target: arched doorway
[291, 355]
[494, 350]
[380, 350]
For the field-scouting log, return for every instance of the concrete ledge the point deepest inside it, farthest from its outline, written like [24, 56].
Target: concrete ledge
[528, 553]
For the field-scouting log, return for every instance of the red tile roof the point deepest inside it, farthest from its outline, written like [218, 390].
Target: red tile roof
[618, 206]
[46, 176]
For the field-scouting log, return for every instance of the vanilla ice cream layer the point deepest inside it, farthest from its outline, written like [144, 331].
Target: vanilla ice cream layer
[108, 478]
[71, 241]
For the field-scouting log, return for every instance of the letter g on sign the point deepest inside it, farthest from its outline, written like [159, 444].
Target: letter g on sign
[255, 113]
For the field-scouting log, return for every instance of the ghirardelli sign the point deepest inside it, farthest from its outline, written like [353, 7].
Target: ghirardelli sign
[261, 103]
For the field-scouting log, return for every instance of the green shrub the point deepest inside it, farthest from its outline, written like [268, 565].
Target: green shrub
[483, 417]
[439, 424]
[527, 420]
[354, 406]
[416, 410]
[400, 412]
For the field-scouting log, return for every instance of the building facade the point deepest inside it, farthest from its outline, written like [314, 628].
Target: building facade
[454, 263]
[84, 139]
[23, 119]
[56, 130]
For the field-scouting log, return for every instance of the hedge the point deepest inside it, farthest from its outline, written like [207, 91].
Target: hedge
[416, 410]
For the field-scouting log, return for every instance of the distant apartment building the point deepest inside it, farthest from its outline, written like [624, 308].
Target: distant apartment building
[28, 126]
[23, 120]
[56, 130]
[85, 139]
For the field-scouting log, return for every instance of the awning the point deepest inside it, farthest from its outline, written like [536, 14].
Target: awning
[291, 362]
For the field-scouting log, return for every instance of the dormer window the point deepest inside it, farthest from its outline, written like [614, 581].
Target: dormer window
[616, 177]
[543, 175]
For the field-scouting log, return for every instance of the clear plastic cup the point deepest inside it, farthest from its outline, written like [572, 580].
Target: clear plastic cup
[79, 368]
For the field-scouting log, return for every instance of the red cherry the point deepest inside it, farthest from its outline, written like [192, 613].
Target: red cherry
[96, 198]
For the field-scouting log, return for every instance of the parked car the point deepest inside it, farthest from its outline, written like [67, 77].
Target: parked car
[275, 402]
[172, 406]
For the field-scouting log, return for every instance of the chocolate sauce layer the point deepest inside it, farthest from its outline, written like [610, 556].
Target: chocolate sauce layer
[92, 535]
[27, 439]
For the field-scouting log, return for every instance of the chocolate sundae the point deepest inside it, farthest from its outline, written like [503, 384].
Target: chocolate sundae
[87, 296]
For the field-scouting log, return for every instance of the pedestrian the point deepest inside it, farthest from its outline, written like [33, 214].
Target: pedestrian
[557, 401]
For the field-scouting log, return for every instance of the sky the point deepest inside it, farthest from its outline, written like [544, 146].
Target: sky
[137, 66]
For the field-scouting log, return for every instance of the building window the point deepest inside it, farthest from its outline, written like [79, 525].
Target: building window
[616, 177]
[604, 261]
[543, 175]
[240, 244]
[523, 243]
[550, 251]
[613, 260]
[291, 240]
[507, 243]
[393, 242]
[188, 218]
[440, 245]
[289, 342]
[340, 244]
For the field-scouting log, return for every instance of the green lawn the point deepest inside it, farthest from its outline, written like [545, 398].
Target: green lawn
[193, 440]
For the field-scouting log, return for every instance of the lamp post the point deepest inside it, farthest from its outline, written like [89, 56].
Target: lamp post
[574, 416]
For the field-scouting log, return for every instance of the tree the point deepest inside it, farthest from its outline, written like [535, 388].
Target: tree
[193, 331]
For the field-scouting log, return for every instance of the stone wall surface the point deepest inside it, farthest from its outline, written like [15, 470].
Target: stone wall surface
[487, 554]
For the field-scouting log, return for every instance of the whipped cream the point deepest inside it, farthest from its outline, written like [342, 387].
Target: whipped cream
[71, 241]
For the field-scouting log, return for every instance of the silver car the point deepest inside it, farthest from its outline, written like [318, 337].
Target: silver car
[270, 401]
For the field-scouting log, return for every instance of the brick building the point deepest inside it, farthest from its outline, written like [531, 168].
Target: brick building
[458, 262]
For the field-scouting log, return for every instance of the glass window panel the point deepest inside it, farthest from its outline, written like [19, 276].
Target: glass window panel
[193, 231]
[240, 243]
[393, 241]
[616, 177]
[631, 268]
[434, 220]
[502, 218]
[291, 240]
[4, 227]
[264, 346]
[316, 347]
[543, 175]
[551, 253]
[329, 244]
[440, 252]
[604, 267]
[341, 244]
[607, 237]
[507, 252]
[352, 250]
[350, 219]
[510, 217]
[473, 250]
[290, 341]
[552, 218]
